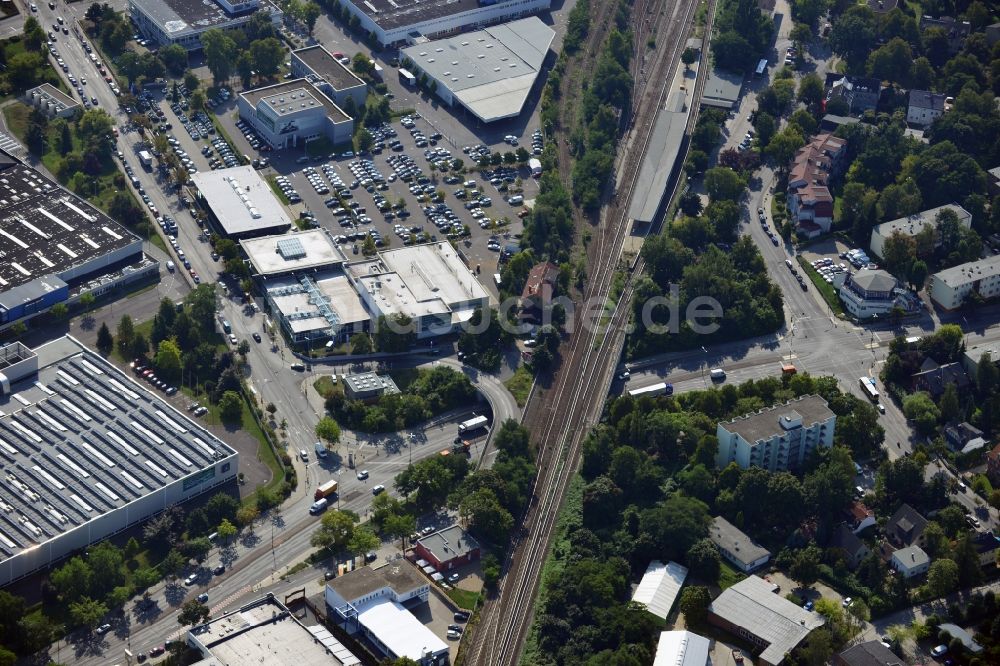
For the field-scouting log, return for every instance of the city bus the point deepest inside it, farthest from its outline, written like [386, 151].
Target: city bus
[868, 387]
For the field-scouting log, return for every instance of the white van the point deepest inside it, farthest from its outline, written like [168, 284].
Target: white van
[304, 455]
[318, 506]
[320, 450]
[496, 279]
[170, 266]
[718, 374]
[516, 200]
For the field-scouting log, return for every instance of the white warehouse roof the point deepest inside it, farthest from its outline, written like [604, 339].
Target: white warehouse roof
[399, 630]
[242, 201]
[660, 586]
[490, 71]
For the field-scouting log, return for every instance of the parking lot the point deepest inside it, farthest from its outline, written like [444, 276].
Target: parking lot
[832, 258]
[395, 195]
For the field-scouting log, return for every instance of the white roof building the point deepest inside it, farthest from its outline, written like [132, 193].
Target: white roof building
[682, 648]
[397, 632]
[428, 283]
[317, 305]
[265, 633]
[911, 225]
[752, 610]
[949, 288]
[490, 72]
[241, 203]
[287, 253]
[660, 586]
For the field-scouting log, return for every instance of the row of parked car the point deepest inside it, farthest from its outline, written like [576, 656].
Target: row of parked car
[286, 188]
[143, 372]
[251, 136]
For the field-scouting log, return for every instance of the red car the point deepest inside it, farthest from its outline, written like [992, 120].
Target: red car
[157, 651]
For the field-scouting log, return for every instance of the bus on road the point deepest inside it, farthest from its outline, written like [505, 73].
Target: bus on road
[868, 387]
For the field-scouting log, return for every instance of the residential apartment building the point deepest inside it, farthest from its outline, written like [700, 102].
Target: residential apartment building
[809, 198]
[924, 107]
[868, 294]
[949, 288]
[912, 225]
[778, 438]
[860, 93]
[742, 551]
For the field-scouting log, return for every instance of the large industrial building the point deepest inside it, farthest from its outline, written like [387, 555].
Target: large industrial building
[490, 72]
[292, 113]
[396, 22]
[779, 438]
[183, 22]
[428, 283]
[320, 68]
[87, 452]
[55, 246]
[265, 633]
[304, 284]
[240, 203]
[374, 603]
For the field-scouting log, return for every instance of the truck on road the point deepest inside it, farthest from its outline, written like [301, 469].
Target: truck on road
[473, 424]
[407, 78]
[146, 159]
[326, 490]
[656, 389]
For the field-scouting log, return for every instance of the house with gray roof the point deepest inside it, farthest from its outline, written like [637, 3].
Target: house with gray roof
[751, 610]
[742, 551]
[911, 561]
[854, 548]
[906, 526]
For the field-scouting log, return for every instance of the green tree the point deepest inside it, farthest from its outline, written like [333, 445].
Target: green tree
[891, 62]
[168, 361]
[226, 530]
[689, 56]
[328, 430]
[267, 54]
[703, 560]
[853, 35]
[948, 404]
[805, 566]
[126, 335]
[193, 613]
[942, 577]
[65, 140]
[811, 89]
[361, 344]
[72, 580]
[485, 516]
[191, 80]
[87, 612]
[335, 530]
[34, 34]
[175, 58]
[783, 146]
[694, 603]
[23, 70]
[246, 515]
[395, 333]
[309, 14]
[723, 183]
[362, 540]
[59, 311]
[220, 53]
[729, 51]
[231, 407]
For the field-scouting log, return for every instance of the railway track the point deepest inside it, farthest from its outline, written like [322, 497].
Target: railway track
[582, 382]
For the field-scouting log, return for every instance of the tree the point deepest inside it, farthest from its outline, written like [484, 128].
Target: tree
[485, 516]
[105, 343]
[694, 603]
[891, 62]
[87, 612]
[267, 54]
[703, 560]
[395, 333]
[335, 531]
[361, 344]
[920, 408]
[198, 549]
[65, 140]
[805, 566]
[328, 430]
[220, 53]
[72, 580]
[231, 407]
[783, 146]
[34, 34]
[309, 14]
[362, 540]
[811, 89]
[247, 514]
[942, 577]
[126, 334]
[853, 35]
[722, 183]
[729, 51]
[191, 81]
[193, 613]
[175, 58]
[948, 403]
[168, 361]
[226, 530]
[689, 56]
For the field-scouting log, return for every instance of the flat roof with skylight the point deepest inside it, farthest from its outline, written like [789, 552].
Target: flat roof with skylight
[288, 253]
[241, 202]
[290, 97]
[300, 301]
[490, 72]
[265, 633]
[87, 451]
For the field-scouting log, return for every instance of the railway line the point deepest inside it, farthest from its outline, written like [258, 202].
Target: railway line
[574, 405]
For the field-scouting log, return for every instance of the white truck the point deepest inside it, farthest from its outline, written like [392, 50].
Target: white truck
[473, 424]
[146, 159]
[535, 165]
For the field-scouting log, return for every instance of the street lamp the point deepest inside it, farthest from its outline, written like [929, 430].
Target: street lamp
[704, 362]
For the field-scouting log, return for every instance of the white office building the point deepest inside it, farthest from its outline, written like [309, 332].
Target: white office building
[240, 204]
[396, 22]
[184, 21]
[949, 288]
[779, 438]
[292, 113]
[428, 283]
